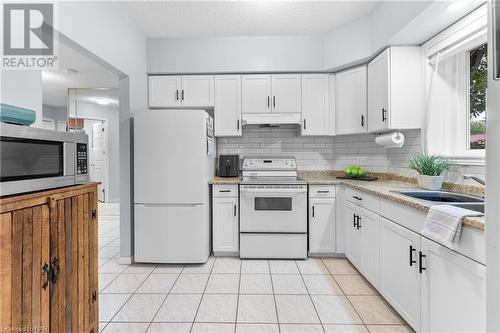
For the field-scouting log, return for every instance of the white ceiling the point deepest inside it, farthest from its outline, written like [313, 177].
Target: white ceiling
[177, 19]
[55, 84]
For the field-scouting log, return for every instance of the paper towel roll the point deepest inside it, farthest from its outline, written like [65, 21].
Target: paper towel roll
[391, 140]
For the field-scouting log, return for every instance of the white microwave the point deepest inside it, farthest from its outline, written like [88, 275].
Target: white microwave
[34, 159]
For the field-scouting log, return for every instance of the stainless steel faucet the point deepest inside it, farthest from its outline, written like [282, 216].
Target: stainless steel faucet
[480, 181]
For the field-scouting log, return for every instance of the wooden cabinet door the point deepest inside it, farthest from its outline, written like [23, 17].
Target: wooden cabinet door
[227, 110]
[286, 93]
[370, 238]
[350, 101]
[164, 91]
[453, 291]
[399, 275]
[225, 225]
[315, 104]
[322, 226]
[197, 91]
[24, 246]
[378, 92]
[255, 93]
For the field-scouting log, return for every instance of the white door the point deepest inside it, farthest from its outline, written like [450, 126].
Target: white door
[453, 291]
[315, 104]
[286, 93]
[256, 93]
[197, 90]
[378, 92]
[164, 91]
[353, 233]
[98, 158]
[399, 275]
[370, 238]
[350, 101]
[225, 225]
[322, 226]
[227, 110]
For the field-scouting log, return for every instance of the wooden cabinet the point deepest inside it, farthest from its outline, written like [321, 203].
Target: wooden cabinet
[227, 109]
[395, 89]
[279, 93]
[170, 91]
[225, 210]
[49, 260]
[316, 111]
[322, 220]
[350, 101]
[453, 291]
[399, 274]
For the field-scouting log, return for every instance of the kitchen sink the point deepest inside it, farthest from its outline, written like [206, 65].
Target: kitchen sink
[477, 207]
[441, 196]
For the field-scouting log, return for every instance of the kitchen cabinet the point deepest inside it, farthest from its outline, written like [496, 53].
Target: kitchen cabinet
[353, 235]
[399, 274]
[395, 89]
[227, 109]
[279, 93]
[350, 101]
[49, 260]
[316, 111]
[225, 210]
[322, 220]
[170, 91]
[453, 291]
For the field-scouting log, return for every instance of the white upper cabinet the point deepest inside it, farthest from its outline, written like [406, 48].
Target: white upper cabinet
[170, 91]
[316, 111]
[227, 109]
[256, 93]
[395, 89]
[164, 91]
[350, 101]
[286, 93]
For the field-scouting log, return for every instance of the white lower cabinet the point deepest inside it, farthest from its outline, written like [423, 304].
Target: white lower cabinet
[321, 220]
[453, 291]
[353, 235]
[399, 274]
[225, 222]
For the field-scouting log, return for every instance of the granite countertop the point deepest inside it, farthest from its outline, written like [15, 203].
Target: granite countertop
[384, 187]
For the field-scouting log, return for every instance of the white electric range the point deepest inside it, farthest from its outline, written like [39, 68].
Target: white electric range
[273, 217]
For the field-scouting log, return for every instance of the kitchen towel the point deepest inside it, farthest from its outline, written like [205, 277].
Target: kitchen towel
[444, 223]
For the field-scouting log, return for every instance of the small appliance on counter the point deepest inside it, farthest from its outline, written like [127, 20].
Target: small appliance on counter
[229, 165]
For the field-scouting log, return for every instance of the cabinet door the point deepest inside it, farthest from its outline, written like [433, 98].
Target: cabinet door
[353, 241]
[378, 92]
[164, 91]
[256, 93]
[370, 238]
[453, 291]
[286, 93]
[227, 110]
[322, 226]
[350, 101]
[315, 104]
[399, 275]
[197, 91]
[24, 244]
[225, 225]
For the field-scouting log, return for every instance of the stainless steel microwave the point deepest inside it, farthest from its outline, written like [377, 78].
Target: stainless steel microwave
[33, 159]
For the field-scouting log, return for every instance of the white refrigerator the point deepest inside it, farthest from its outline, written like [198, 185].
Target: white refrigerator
[174, 159]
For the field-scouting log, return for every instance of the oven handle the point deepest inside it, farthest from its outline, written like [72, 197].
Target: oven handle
[273, 190]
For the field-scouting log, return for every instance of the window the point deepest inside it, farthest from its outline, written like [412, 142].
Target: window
[478, 78]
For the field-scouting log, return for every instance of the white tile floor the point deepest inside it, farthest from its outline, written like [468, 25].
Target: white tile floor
[233, 295]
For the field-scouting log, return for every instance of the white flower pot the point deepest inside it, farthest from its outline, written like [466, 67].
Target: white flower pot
[433, 183]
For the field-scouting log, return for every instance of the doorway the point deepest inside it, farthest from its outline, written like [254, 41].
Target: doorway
[97, 131]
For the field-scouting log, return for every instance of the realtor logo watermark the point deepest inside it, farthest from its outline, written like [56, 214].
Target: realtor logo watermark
[28, 36]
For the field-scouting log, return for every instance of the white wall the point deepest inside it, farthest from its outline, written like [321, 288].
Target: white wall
[57, 113]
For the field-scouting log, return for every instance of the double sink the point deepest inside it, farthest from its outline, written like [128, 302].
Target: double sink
[449, 198]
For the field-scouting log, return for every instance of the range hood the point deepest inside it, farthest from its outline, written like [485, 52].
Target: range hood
[271, 118]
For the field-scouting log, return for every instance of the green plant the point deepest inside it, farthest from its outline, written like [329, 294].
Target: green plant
[429, 165]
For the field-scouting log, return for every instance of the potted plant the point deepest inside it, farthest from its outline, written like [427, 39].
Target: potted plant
[430, 170]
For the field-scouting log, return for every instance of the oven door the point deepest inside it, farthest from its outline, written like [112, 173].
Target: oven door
[273, 208]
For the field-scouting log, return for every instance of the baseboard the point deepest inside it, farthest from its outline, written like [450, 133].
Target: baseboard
[125, 260]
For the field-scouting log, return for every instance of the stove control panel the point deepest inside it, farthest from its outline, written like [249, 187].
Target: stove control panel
[283, 163]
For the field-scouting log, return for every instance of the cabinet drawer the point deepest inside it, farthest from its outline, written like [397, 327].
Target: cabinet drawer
[225, 191]
[363, 199]
[322, 191]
